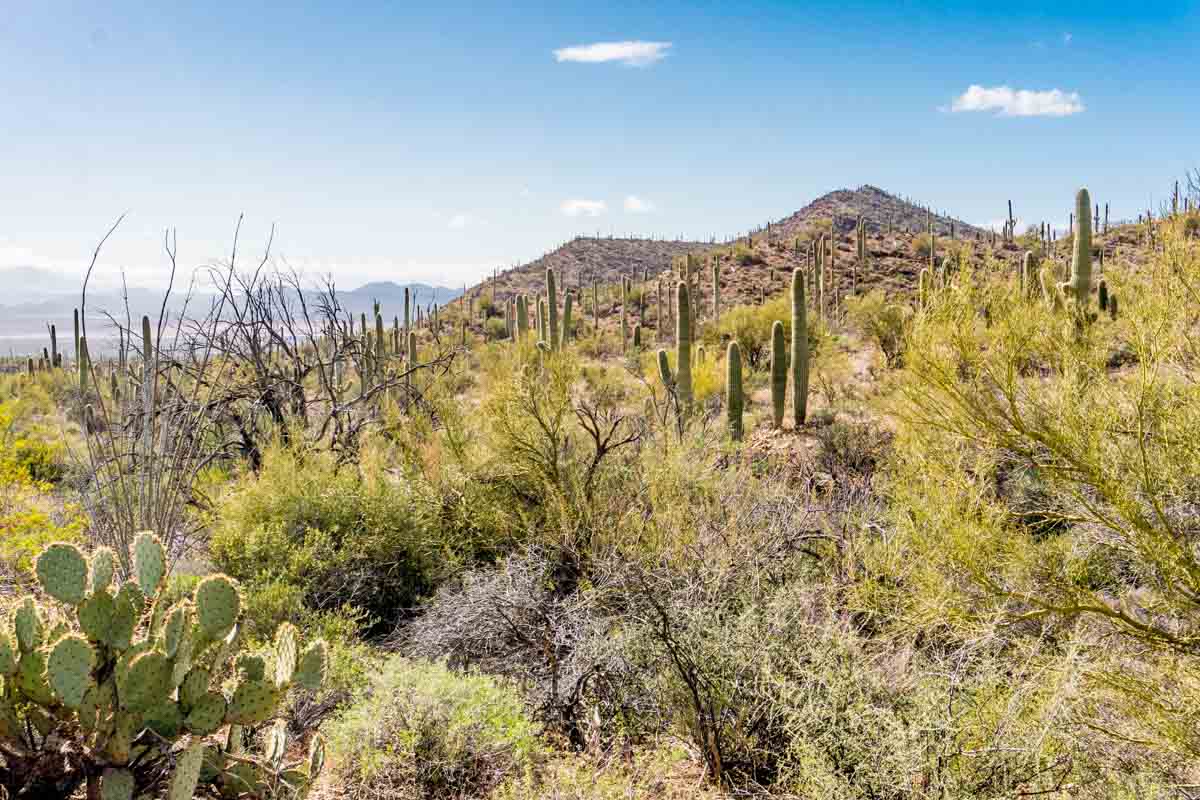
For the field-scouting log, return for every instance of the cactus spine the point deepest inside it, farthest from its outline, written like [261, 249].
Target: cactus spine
[683, 347]
[734, 399]
[1081, 258]
[799, 364]
[779, 373]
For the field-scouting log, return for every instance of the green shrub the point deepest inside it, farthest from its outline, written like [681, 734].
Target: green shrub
[306, 533]
[884, 321]
[746, 257]
[750, 326]
[423, 731]
[495, 329]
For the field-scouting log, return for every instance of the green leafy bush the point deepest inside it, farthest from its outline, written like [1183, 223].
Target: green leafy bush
[422, 730]
[885, 321]
[308, 533]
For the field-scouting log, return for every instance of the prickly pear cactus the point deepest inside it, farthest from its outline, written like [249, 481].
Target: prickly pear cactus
[132, 685]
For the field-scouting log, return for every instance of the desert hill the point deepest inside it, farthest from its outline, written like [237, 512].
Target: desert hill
[892, 223]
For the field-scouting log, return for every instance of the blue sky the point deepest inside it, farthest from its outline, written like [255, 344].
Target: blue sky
[433, 142]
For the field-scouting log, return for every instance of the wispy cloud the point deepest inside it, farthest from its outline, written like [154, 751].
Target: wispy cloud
[1009, 102]
[633, 54]
[638, 205]
[579, 207]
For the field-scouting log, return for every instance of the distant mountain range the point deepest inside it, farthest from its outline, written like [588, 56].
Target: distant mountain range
[31, 300]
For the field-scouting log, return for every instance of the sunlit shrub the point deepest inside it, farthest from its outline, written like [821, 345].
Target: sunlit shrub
[421, 730]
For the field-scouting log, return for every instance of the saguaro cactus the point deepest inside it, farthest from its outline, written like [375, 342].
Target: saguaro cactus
[683, 346]
[664, 368]
[624, 314]
[85, 366]
[734, 399]
[799, 364]
[552, 309]
[566, 319]
[716, 290]
[77, 334]
[1081, 257]
[53, 347]
[1029, 281]
[522, 317]
[779, 373]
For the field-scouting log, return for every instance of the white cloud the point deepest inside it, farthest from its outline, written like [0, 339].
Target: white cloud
[638, 205]
[1008, 102]
[632, 54]
[460, 221]
[583, 208]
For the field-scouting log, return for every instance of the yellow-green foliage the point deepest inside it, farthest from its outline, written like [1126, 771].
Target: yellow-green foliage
[1045, 465]
[306, 530]
[883, 320]
[421, 730]
[30, 515]
[708, 376]
[666, 773]
[750, 326]
[745, 256]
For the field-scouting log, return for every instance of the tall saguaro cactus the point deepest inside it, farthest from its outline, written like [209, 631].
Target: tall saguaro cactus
[1081, 257]
[522, 317]
[716, 290]
[735, 401]
[799, 364]
[552, 309]
[566, 320]
[683, 346]
[85, 366]
[778, 373]
[1029, 279]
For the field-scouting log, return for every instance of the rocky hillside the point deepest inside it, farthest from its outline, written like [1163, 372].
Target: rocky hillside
[605, 260]
[878, 208]
[584, 259]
